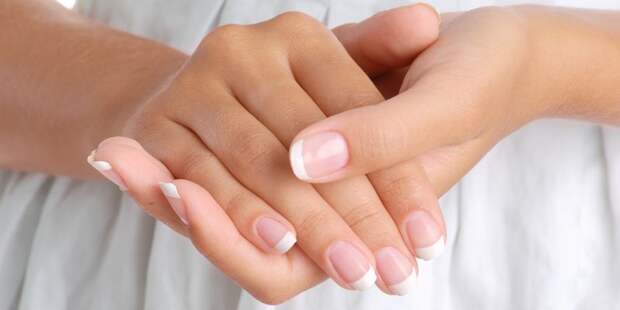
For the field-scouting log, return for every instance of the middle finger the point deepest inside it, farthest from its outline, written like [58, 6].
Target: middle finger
[354, 198]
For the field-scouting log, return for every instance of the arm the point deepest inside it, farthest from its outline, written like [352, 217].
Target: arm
[221, 123]
[61, 76]
[580, 51]
[492, 71]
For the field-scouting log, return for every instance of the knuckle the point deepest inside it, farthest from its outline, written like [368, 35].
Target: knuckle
[310, 223]
[254, 151]
[295, 18]
[294, 117]
[394, 185]
[225, 41]
[363, 214]
[240, 200]
[298, 23]
[225, 34]
[194, 165]
[399, 190]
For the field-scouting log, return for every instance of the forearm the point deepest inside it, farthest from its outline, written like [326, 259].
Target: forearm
[66, 83]
[579, 54]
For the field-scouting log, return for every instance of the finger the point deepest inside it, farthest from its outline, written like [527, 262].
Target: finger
[411, 200]
[186, 157]
[354, 199]
[408, 208]
[258, 160]
[373, 137]
[124, 162]
[272, 279]
[137, 169]
[411, 196]
[390, 39]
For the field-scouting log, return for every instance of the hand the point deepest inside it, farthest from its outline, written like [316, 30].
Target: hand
[219, 123]
[491, 71]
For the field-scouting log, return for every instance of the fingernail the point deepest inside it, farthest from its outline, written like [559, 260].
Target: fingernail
[173, 197]
[396, 270]
[275, 234]
[425, 235]
[106, 170]
[352, 265]
[319, 155]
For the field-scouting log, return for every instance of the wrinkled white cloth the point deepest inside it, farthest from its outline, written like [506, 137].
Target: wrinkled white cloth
[536, 224]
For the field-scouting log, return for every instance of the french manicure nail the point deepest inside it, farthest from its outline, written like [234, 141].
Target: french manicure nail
[319, 155]
[425, 235]
[106, 170]
[275, 234]
[352, 265]
[172, 195]
[396, 270]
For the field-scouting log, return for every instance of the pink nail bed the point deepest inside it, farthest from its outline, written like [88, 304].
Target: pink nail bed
[275, 234]
[319, 155]
[351, 265]
[425, 234]
[395, 270]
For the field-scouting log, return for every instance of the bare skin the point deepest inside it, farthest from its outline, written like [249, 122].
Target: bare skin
[111, 61]
[91, 82]
[492, 71]
[60, 74]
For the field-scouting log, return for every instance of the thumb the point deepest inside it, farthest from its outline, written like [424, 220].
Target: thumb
[374, 137]
[390, 39]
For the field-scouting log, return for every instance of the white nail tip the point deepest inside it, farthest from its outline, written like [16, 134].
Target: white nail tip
[169, 190]
[102, 165]
[432, 251]
[286, 243]
[366, 281]
[405, 286]
[297, 160]
[91, 157]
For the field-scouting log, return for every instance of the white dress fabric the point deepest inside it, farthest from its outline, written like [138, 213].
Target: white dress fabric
[535, 225]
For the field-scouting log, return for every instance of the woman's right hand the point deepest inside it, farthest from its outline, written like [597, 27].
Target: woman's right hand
[223, 124]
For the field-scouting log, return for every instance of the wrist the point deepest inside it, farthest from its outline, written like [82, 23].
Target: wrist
[149, 78]
[575, 63]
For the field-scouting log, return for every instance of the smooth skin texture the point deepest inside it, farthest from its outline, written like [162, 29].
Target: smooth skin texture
[196, 124]
[250, 164]
[492, 71]
[601, 50]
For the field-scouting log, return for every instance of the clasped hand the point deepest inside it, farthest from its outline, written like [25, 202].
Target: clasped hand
[355, 196]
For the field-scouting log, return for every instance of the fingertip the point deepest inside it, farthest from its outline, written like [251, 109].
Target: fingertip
[390, 39]
[432, 9]
[407, 30]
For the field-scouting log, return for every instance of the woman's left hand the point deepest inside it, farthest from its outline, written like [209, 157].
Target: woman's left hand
[491, 71]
